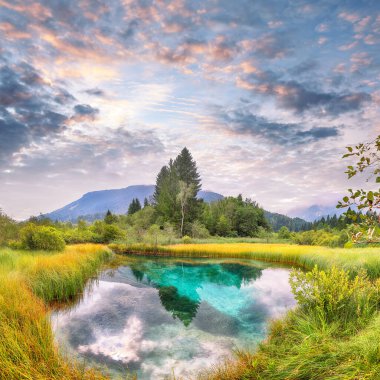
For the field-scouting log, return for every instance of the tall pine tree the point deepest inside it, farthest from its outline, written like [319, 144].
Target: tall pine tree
[166, 196]
[134, 206]
[187, 170]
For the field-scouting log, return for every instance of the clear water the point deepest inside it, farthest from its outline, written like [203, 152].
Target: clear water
[159, 317]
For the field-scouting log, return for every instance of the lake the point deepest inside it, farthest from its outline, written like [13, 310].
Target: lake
[159, 317]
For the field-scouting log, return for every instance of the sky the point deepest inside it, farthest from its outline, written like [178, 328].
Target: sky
[266, 94]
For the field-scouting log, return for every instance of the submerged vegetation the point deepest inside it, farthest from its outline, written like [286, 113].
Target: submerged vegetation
[29, 282]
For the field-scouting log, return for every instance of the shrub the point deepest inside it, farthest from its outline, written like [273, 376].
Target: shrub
[284, 233]
[15, 244]
[111, 232]
[42, 237]
[153, 234]
[8, 229]
[199, 231]
[76, 236]
[333, 297]
[321, 237]
[186, 239]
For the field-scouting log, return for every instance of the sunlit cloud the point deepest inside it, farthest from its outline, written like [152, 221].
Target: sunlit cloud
[74, 74]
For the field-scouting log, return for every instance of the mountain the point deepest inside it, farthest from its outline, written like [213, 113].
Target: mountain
[95, 204]
[279, 220]
[316, 212]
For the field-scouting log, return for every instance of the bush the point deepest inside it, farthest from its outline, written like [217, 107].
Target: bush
[8, 229]
[111, 233]
[42, 237]
[333, 297]
[199, 231]
[284, 233]
[321, 237]
[76, 236]
[105, 233]
[186, 239]
[349, 244]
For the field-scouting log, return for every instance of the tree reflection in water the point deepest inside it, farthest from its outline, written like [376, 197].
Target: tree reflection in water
[178, 282]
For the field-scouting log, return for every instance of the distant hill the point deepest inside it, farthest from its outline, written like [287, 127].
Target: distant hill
[316, 212]
[279, 220]
[95, 204]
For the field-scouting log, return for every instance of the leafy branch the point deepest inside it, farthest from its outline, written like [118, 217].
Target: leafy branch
[368, 160]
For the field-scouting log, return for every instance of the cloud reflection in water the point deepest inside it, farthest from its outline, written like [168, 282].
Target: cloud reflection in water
[173, 317]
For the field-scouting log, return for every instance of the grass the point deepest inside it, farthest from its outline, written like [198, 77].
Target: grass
[352, 260]
[333, 334]
[29, 283]
[336, 338]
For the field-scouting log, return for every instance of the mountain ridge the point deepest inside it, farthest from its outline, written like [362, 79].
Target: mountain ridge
[98, 202]
[94, 205]
[316, 212]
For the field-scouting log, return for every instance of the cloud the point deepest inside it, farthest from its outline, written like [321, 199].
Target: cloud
[84, 112]
[85, 77]
[300, 97]
[348, 46]
[360, 60]
[271, 46]
[322, 28]
[30, 108]
[305, 67]
[350, 17]
[244, 122]
[95, 92]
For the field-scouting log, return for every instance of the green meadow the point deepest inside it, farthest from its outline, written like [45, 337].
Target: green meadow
[334, 333]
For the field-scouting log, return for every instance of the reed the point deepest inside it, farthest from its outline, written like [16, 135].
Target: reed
[28, 282]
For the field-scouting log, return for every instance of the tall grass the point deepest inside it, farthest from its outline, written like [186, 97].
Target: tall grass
[312, 342]
[352, 260]
[28, 282]
[334, 333]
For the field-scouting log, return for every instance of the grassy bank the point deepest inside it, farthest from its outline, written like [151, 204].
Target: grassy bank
[352, 260]
[29, 282]
[333, 334]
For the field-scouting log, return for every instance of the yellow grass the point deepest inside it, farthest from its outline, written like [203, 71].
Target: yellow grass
[28, 282]
[303, 256]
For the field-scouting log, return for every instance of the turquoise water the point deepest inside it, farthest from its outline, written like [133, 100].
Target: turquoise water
[159, 317]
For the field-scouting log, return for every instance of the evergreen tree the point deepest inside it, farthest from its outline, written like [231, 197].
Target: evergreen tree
[166, 192]
[110, 218]
[187, 170]
[134, 206]
[170, 206]
[146, 202]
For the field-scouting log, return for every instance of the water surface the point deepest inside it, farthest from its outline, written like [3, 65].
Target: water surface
[159, 317]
